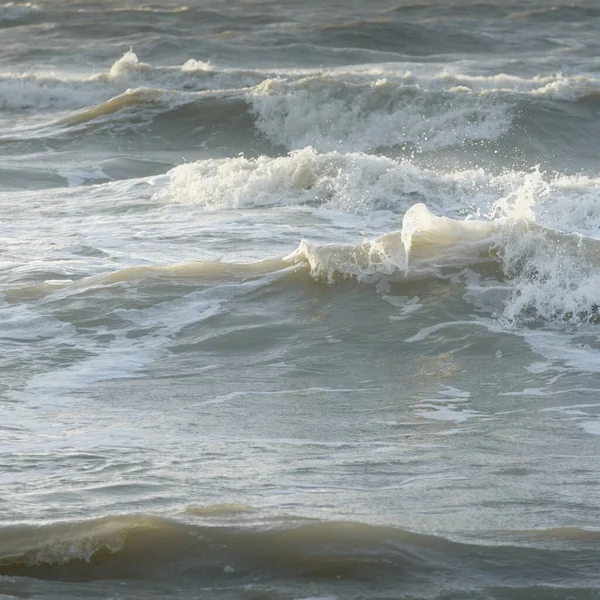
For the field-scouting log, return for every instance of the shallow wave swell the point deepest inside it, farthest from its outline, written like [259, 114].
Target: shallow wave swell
[141, 547]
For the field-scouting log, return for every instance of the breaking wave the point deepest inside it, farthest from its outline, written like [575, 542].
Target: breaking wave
[547, 274]
[345, 109]
[330, 113]
[158, 549]
[350, 182]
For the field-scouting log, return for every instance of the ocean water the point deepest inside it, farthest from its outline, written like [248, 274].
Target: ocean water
[300, 300]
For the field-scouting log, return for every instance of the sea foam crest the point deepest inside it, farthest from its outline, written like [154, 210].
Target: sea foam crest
[543, 234]
[129, 63]
[553, 85]
[26, 91]
[193, 75]
[360, 183]
[328, 112]
[547, 275]
[425, 245]
[554, 276]
[346, 108]
[353, 182]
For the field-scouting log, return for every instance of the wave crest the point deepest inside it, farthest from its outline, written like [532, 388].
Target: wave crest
[354, 182]
[331, 113]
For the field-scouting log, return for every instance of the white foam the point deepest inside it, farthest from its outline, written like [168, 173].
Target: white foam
[447, 412]
[407, 306]
[20, 324]
[571, 408]
[329, 112]
[539, 367]
[127, 64]
[126, 356]
[27, 91]
[76, 177]
[592, 427]
[562, 349]
[122, 358]
[295, 392]
[352, 182]
[547, 249]
[455, 393]
[424, 333]
[62, 91]
[526, 392]
[554, 85]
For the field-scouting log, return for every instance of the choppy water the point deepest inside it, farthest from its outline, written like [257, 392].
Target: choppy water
[300, 299]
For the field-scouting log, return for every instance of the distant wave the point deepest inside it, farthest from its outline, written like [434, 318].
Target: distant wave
[346, 109]
[15, 13]
[27, 91]
[556, 13]
[399, 36]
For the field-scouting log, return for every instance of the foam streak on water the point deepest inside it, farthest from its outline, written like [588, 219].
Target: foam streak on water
[299, 300]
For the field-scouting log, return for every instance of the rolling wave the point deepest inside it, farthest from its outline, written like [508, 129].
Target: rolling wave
[286, 224]
[400, 37]
[357, 108]
[209, 110]
[53, 92]
[329, 113]
[553, 276]
[550, 275]
[158, 549]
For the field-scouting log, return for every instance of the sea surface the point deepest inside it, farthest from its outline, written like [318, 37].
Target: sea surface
[300, 299]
